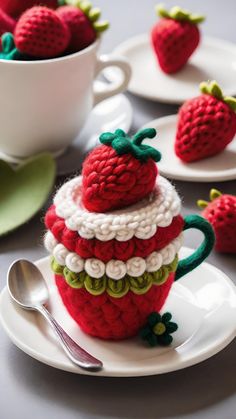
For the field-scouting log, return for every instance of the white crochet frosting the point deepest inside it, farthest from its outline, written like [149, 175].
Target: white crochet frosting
[140, 220]
[115, 269]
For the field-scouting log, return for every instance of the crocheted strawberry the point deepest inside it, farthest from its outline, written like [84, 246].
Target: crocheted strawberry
[221, 213]
[175, 37]
[41, 33]
[206, 124]
[82, 23]
[120, 172]
[16, 7]
[7, 24]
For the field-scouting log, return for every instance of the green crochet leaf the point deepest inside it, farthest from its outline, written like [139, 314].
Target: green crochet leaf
[24, 190]
[212, 88]
[177, 13]
[93, 14]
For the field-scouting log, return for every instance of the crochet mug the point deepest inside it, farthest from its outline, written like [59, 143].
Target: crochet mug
[44, 104]
[118, 309]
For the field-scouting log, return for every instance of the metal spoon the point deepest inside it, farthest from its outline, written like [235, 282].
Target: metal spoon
[28, 288]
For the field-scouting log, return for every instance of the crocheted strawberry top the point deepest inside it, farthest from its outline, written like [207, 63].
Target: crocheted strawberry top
[179, 14]
[119, 173]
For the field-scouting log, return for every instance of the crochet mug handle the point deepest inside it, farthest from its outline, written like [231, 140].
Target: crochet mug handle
[191, 262]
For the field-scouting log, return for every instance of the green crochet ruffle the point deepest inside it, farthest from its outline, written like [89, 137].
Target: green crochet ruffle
[114, 288]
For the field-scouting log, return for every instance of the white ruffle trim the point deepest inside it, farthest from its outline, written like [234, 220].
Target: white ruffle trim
[140, 220]
[115, 269]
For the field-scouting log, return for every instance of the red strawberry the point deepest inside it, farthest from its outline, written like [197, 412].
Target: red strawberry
[120, 172]
[175, 37]
[7, 24]
[206, 124]
[221, 213]
[83, 25]
[41, 33]
[16, 7]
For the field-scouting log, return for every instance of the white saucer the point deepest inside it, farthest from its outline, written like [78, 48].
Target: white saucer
[213, 60]
[203, 304]
[108, 115]
[220, 168]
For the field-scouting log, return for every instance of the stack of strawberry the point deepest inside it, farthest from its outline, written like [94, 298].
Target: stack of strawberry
[114, 234]
[47, 31]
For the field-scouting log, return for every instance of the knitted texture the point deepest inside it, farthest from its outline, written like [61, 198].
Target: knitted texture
[221, 213]
[115, 288]
[41, 33]
[9, 50]
[111, 249]
[174, 42]
[107, 317]
[206, 125]
[191, 262]
[16, 7]
[119, 173]
[7, 24]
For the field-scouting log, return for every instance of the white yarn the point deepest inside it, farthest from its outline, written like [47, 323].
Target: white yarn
[50, 241]
[140, 220]
[94, 268]
[115, 269]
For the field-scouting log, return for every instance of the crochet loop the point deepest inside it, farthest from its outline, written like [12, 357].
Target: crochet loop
[122, 144]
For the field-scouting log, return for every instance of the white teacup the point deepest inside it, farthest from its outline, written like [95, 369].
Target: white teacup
[44, 104]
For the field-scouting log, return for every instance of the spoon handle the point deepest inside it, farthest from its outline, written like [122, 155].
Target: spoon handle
[77, 354]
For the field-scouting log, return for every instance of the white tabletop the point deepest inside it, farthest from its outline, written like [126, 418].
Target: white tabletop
[33, 390]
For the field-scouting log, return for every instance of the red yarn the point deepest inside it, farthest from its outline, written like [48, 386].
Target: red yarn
[81, 29]
[112, 249]
[174, 42]
[7, 24]
[206, 125]
[111, 181]
[41, 33]
[16, 7]
[221, 213]
[108, 317]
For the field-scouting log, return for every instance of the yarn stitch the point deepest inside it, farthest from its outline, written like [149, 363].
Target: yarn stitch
[115, 269]
[140, 220]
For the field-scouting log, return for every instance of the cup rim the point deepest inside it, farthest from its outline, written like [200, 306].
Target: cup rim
[68, 57]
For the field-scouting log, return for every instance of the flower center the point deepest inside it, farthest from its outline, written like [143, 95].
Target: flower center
[159, 329]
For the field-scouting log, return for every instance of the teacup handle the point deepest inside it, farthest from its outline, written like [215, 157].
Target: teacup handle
[116, 87]
[191, 262]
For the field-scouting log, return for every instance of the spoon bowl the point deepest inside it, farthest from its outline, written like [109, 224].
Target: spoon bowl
[28, 288]
[26, 285]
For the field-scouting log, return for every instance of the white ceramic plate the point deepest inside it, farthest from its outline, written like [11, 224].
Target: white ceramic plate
[203, 304]
[213, 60]
[220, 168]
[115, 112]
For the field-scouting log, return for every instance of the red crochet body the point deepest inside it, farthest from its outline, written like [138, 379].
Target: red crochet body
[108, 317]
[206, 125]
[16, 7]
[112, 249]
[112, 181]
[174, 42]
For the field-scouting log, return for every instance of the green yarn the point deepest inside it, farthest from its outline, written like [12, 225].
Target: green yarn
[115, 288]
[158, 329]
[122, 144]
[212, 88]
[191, 262]
[177, 13]
[9, 50]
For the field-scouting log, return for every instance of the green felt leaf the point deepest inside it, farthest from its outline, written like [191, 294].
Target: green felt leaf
[24, 190]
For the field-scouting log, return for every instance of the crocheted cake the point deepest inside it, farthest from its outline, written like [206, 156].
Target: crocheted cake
[114, 234]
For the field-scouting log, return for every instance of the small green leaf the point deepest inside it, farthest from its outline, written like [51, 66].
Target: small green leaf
[101, 26]
[214, 194]
[215, 90]
[231, 101]
[202, 204]
[179, 14]
[161, 11]
[94, 14]
[85, 6]
[196, 19]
